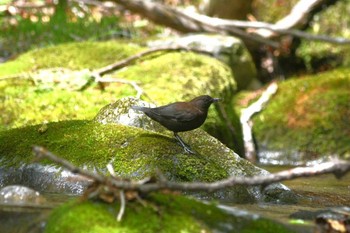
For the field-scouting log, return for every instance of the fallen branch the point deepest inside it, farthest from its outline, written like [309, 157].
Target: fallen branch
[189, 21]
[245, 119]
[130, 60]
[184, 21]
[337, 167]
[270, 30]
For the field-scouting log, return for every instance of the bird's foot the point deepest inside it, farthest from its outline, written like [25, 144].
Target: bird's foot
[186, 147]
[188, 150]
[183, 144]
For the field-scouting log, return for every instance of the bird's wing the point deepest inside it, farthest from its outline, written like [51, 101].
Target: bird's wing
[175, 114]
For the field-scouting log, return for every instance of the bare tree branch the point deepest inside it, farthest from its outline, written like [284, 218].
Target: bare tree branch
[186, 21]
[269, 30]
[130, 60]
[246, 122]
[297, 17]
[337, 167]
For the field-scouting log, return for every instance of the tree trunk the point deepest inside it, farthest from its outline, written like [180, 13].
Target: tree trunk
[237, 9]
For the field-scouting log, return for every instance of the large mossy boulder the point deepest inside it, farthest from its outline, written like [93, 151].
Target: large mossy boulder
[228, 49]
[307, 119]
[43, 85]
[133, 152]
[41, 95]
[161, 213]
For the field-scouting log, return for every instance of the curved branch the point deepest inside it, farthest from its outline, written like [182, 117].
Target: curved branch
[185, 21]
[338, 167]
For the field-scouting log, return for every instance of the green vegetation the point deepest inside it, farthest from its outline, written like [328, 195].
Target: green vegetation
[160, 213]
[189, 75]
[309, 115]
[75, 56]
[86, 143]
[29, 33]
[77, 141]
[272, 10]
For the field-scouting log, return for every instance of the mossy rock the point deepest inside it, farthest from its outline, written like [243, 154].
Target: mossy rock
[187, 75]
[307, 119]
[159, 213]
[133, 152]
[75, 56]
[164, 77]
[24, 103]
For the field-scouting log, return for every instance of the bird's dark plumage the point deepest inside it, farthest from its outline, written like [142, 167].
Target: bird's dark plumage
[181, 116]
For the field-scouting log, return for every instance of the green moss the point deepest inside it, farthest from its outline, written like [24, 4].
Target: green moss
[161, 213]
[76, 216]
[23, 103]
[133, 152]
[27, 105]
[82, 55]
[186, 75]
[272, 10]
[183, 74]
[308, 115]
[77, 141]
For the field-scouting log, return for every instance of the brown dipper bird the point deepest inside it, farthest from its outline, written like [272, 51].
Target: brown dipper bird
[181, 116]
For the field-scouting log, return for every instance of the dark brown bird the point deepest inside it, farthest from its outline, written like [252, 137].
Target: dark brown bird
[181, 116]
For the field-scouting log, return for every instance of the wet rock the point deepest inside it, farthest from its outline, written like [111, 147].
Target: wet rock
[22, 209]
[120, 112]
[45, 178]
[327, 220]
[20, 195]
[306, 121]
[164, 213]
[134, 153]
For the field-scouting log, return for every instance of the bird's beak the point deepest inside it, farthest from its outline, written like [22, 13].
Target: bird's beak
[216, 99]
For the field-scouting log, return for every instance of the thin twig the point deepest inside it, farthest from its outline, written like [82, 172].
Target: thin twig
[122, 206]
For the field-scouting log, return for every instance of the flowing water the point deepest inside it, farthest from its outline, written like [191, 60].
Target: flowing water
[315, 194]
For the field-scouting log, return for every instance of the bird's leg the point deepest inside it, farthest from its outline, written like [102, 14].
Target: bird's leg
[183, 144]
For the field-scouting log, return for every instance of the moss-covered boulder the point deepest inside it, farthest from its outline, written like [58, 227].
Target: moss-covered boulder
[227, 49]
[133, 152]
[34, 93]
[157, 213]
[75, 56]
[307, 119]
[187, 75]
[41, 85]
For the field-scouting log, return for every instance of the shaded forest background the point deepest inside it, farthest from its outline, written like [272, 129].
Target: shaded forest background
[31, 24]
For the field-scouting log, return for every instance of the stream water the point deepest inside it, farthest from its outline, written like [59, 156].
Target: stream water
[315, 194]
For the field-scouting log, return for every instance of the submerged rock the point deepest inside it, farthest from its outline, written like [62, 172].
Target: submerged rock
[162, 213]
[20, 195]
[22, 209]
